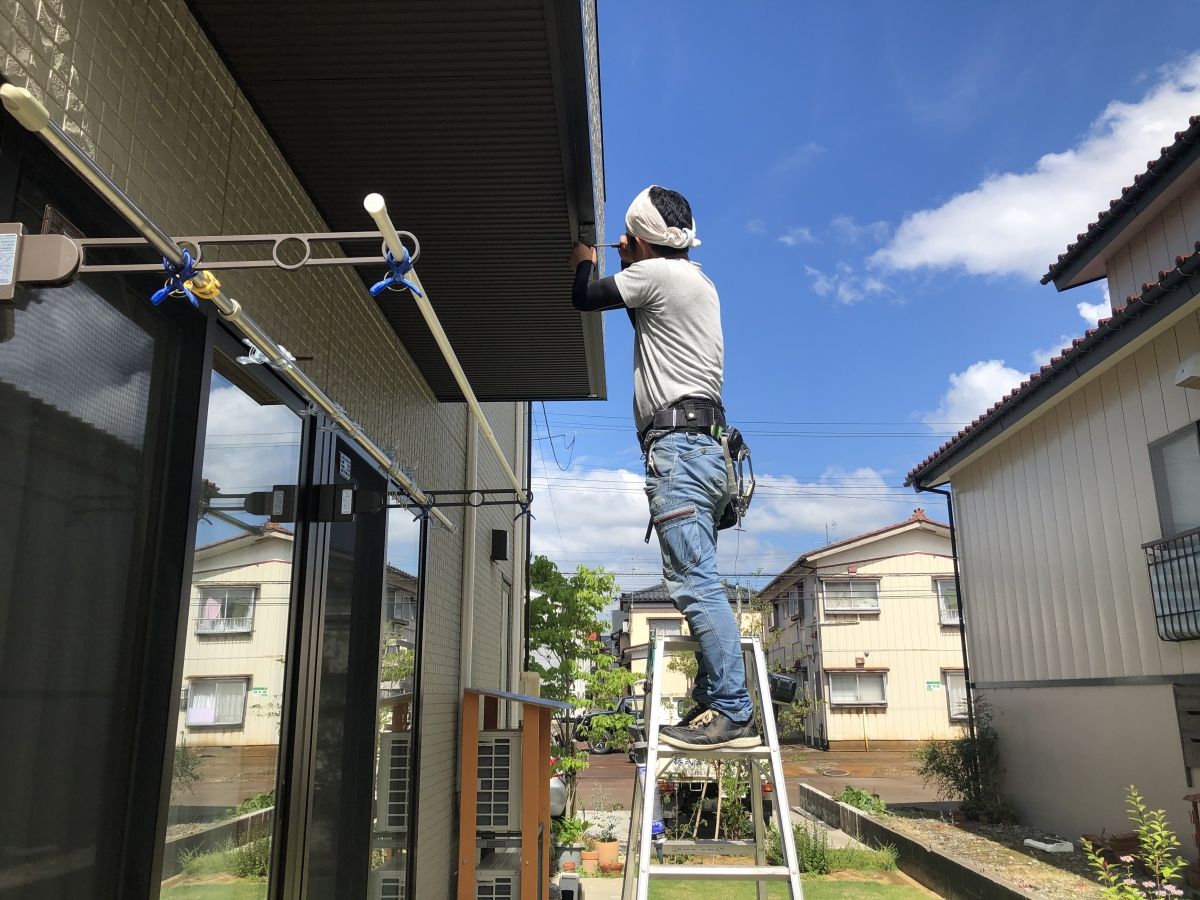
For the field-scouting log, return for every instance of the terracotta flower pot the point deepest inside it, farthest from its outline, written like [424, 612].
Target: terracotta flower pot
[607, 852]
[591, 861]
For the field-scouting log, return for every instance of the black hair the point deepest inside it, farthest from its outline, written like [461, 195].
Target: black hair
[676, 213]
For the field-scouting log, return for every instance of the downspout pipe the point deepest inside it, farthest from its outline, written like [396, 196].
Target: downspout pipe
[466, 643]
[528, 528]
[962, 615]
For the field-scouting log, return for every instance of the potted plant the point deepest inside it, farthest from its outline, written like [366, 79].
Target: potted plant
[567, 835]
[590, 858]
[606, 847]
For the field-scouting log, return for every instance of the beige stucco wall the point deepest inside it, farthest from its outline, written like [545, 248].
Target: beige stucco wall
[1069, 753]
[266, 565]
[905, 638]
[137, 84]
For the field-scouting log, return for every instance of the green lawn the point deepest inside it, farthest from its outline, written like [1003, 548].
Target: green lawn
[816, 887]
[232, 890]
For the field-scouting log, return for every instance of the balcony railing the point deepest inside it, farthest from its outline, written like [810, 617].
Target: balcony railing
[1175, 585]
[236, 625]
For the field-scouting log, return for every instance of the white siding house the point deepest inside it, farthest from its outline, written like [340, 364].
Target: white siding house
[1077, 504]
[870, 626]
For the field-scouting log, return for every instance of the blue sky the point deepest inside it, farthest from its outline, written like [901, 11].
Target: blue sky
[878, 188]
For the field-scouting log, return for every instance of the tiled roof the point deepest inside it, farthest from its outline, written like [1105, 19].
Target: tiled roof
[1156, 169]
[659, 594]
[1135, 307]
[918, 516]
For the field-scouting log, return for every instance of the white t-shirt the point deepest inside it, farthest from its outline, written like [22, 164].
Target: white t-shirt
[678, 348]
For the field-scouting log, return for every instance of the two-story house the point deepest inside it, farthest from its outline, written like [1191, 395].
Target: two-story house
[650, 610]
[1077, 504]
[871, 627]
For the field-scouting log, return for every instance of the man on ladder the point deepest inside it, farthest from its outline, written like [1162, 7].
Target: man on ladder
[678, 373]
[695, 486]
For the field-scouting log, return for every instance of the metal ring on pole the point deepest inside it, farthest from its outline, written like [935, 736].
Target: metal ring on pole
[279, 242]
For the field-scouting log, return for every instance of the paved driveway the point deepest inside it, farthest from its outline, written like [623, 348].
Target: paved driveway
[892, 774]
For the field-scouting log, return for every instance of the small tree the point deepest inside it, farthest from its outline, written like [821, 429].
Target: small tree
[565, 627]
[969, 769]
[1126, 878]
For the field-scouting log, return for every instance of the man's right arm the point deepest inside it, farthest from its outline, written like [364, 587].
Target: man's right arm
[592, 296]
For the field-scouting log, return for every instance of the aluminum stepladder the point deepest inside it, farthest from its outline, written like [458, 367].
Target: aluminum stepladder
[636, 884]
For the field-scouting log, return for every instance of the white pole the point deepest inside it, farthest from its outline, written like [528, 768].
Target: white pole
[30, 113]
[377, 210]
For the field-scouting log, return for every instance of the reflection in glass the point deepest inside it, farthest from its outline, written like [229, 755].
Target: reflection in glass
[394, 746]
[230, 698]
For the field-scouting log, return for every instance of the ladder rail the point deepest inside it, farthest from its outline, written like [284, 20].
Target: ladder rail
[637, 884]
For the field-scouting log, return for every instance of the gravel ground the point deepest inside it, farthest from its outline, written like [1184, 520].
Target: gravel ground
[997, 850]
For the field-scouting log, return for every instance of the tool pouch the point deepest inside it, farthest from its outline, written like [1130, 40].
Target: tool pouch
[739, 473]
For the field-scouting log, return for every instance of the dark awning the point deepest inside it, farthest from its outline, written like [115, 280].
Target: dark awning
[479, 122]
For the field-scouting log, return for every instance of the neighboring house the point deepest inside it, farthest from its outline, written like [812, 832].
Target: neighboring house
[871, 628]
[232, 688]
[136, 434]
[1077, 504]
[650, 609]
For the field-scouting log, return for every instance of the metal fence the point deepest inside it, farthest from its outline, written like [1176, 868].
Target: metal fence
[1174, 566]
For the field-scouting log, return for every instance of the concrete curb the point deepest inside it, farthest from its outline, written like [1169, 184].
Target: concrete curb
[944, 874]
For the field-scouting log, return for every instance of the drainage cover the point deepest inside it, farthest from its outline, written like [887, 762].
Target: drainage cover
[834, 773]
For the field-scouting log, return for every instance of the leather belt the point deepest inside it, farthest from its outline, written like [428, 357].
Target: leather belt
[695, 414]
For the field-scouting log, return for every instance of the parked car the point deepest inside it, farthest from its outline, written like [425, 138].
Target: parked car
[603, 743]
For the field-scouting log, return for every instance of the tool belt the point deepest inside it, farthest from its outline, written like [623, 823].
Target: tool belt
[702, 416]
[695, 414]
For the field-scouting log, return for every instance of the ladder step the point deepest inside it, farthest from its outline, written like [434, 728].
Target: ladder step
[760, 751]
[716, 848]
[682, 642]
[721, 873]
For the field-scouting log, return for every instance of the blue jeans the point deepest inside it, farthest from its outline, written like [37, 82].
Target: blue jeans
[687, 489]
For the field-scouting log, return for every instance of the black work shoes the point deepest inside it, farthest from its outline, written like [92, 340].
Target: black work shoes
[710, 730]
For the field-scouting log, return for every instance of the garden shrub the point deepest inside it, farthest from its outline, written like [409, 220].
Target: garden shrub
[862, 799]
[968, 769]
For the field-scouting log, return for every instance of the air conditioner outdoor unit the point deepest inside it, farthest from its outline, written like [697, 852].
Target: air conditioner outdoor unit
[498, 877]
[498, 797]
[392, 782]
[387, 884]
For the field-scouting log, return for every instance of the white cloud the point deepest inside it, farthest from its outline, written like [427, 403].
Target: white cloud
[1015, 223]
[800, 234]
[848, 229]
[971, 392]
[1043, 355]
[756, 226]
[845, 284]
[598, 516]
[249, 447]
[1094, 312]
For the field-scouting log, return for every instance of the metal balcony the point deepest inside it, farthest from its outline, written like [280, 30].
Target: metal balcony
[235, 625]
[1174, 566]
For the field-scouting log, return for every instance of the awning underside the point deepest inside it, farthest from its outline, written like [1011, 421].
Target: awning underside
[471, 119]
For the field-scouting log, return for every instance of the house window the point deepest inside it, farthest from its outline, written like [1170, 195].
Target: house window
[778, 613]
[1175, 464]
[403, 607]
[796, 601]
[858, 688]
[216, 701]
[949, 611]
[856, 595]
[226, 609]
[666, 626]
[956, 694]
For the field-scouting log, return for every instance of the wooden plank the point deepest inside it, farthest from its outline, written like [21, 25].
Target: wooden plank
[544, 784]
[491, 717]
[1143, 267]
[468, 780]
[530, 795]
[1174, 231]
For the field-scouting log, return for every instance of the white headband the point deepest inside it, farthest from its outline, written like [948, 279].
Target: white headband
[645, 221]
